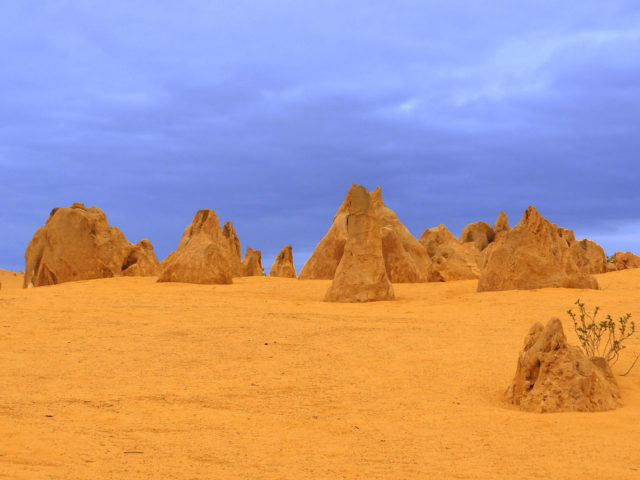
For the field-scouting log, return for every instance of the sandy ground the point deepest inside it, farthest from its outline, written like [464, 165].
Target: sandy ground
[126, 378]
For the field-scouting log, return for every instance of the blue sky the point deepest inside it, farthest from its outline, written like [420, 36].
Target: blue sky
[267, 111]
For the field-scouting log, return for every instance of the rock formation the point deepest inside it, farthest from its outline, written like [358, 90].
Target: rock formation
[141, 261]
[531, 255]
[252, 263]
[451, 260]
[283, 264]
[405, 259]
[236, 258]
[553, 376]
[480, 233]
[501, 224]
[204, 255]
[588, 256]
[361, 275]
[77, 243]
[624, 260]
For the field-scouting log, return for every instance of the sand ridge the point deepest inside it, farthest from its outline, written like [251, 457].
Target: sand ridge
[128, 378]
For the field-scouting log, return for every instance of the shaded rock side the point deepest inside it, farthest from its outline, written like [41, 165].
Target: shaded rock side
[361, 275]
[451, 260]
[252, 263]
[236, 252]
[481, 234]
[624, 260]
[553, 376]
[141, 260]
[283, 264]
[405, 259]
[323, 262]
[531, 255]
[77, 243]
[204, 255]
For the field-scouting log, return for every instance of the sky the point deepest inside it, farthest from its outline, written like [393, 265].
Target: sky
[267, 111]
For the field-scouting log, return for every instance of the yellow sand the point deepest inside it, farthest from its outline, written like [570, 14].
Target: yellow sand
[126, 378]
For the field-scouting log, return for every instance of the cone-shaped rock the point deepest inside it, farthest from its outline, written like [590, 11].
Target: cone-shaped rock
[553, 376]
[204, 255]
[624, 260]
[451, 260]
[501, 224]
[283, 264]
[236, 258]
[531, 255]
[361, 275]
[252, 263]
[405, 259]
[479, 233]
[77, 243]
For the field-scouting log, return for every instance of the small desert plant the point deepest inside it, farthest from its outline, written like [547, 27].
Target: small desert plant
[601, 338]
[609, 259]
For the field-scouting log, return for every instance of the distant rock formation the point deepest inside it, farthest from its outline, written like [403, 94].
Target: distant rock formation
[77, 243]
[361, 275]
[501, 224]
[624, 260]
[479, 233]
[451, 259]
[405, 259]
[553, 376]
[252, 263]
[531, 255]
[589, 256]
[236, 258]
[204, 255]
[142, 260]
[283, 264]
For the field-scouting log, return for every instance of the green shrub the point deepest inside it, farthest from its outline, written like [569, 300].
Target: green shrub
[602, 338]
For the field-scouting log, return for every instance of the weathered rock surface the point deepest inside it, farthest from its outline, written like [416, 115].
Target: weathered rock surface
[252, 263]
[479, 233]
[361, 275]
[405, 259]
[204, 255]
[77, 243]
[236, 258]
[588, 256]
[451, 259]
[553, 376]
[531, 255]
[283, 264]
[624, 260]
[501, 224]
[432, 238]
[142, 260]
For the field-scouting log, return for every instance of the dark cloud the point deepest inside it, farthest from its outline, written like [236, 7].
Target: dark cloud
[268, 111]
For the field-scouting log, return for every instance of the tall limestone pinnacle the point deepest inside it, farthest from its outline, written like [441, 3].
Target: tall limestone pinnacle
[361, 275]
[404, 258]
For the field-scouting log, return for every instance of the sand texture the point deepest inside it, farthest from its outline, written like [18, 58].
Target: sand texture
[126, 378]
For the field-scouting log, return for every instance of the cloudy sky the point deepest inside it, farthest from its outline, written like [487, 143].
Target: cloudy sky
[267, 111]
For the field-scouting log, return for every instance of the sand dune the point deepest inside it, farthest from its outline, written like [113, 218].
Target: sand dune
[127, 378]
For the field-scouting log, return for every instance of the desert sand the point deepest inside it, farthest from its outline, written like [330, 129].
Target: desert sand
[128, 378]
